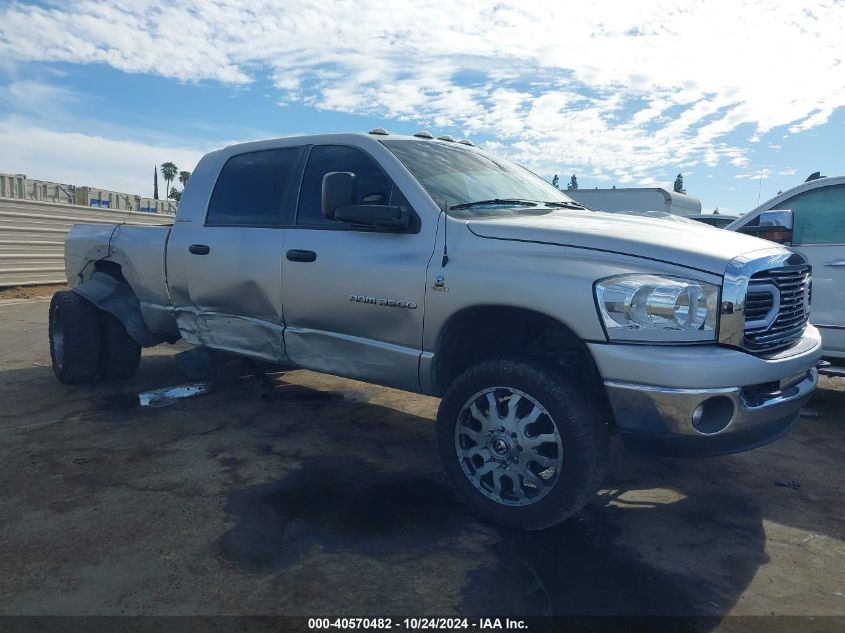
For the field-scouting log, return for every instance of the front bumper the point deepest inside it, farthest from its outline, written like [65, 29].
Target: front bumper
[724, 401]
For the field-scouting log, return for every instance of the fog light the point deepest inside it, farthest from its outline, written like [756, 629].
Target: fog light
[713, 415]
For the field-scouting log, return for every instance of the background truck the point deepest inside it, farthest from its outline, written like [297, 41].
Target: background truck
[637, 200]
[810, 218]
[432, 266]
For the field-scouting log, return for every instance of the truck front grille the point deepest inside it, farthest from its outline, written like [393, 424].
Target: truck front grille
[776, 307]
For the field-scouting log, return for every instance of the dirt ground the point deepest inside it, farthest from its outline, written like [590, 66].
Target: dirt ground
[29, 292]
[328, 499]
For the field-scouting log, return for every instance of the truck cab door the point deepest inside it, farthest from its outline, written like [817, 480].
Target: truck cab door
[353, 297]
[230, 261]
[819, 235]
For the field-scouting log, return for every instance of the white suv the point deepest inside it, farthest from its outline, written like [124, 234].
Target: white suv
[816, 229]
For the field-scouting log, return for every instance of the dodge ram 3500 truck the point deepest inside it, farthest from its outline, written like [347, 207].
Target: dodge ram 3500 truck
[432, 266]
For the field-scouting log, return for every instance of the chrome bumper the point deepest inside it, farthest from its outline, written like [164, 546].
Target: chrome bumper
[686, 422]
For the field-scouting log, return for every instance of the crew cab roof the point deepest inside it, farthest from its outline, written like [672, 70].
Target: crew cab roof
[358, 138]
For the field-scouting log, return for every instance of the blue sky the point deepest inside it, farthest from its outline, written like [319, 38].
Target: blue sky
[626, 94]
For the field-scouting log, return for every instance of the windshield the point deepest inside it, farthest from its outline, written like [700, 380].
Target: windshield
[477, 183]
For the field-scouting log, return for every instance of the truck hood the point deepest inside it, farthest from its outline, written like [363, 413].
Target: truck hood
[683, 242]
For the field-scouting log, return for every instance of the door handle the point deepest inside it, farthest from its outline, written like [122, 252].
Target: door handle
[198, 249]
[836, 263]
[296, 255]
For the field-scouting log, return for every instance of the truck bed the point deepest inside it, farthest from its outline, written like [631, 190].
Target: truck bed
[138, 250]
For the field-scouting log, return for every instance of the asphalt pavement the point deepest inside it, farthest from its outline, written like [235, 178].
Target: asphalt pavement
[327, 498]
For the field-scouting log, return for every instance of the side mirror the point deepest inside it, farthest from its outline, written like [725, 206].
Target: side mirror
[378, 216]
[775, 225]
[339, 190]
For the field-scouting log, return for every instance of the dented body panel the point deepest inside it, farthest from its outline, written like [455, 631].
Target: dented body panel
[233, 297]
[139, 253]
[116, 297]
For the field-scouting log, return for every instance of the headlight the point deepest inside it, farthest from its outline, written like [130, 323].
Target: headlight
[658, 309]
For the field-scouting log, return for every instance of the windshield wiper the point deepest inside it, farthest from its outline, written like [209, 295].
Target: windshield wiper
[565, 205]
[496, 201]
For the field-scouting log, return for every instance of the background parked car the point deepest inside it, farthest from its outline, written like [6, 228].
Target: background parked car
[811, 219]
[717, 220]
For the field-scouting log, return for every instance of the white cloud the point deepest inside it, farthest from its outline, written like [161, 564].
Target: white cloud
[763, 174]
[36, 97]
[82, 159]
[604, 85]
[817, 118]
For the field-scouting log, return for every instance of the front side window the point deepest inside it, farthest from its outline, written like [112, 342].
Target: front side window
[455, 176]
[818, 215]
[373, 186]
[250, 188]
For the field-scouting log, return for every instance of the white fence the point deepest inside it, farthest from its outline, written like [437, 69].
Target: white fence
[32, 237]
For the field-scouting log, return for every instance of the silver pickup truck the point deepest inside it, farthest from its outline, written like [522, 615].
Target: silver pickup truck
[432, 266]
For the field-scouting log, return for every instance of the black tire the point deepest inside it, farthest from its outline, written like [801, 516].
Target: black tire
[582, 426]
[119, 353]
[74, 338]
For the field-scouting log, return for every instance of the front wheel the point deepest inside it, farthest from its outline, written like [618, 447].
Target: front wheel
[520, 444]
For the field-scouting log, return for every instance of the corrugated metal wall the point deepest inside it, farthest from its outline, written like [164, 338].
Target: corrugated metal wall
[32, 237]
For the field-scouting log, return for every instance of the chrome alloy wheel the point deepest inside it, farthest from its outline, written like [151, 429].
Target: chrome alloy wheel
[508, 446]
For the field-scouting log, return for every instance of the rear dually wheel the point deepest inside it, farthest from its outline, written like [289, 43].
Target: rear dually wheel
[74, 325]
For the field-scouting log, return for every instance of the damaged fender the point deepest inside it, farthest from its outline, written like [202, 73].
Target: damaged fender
[117, 298]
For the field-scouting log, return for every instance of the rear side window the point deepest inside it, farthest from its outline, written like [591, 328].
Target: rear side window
[373, 186]
[818, 215]
[250, 188]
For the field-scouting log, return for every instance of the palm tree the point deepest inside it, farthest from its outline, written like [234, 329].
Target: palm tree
[168, 172]
[183, 177]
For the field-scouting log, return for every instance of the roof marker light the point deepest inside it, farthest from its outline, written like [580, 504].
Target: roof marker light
[446, 137]
[380, 131]
[424, 134]
[466, 141]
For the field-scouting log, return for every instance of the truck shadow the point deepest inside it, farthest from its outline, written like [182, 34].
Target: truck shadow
[410, 528]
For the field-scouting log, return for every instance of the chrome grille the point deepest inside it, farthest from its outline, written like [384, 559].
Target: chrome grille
[776, 307]
[758, 305]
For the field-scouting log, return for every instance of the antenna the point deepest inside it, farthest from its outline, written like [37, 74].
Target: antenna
[445, 259]
[760, 187]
